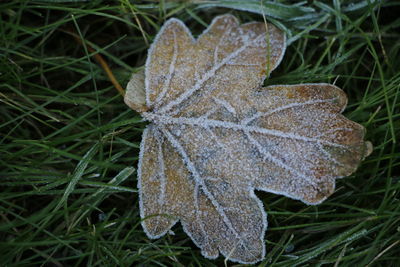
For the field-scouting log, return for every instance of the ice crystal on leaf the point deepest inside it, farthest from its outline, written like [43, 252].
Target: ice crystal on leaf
[215, 136]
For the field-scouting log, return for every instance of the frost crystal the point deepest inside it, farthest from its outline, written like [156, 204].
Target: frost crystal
[216, 135]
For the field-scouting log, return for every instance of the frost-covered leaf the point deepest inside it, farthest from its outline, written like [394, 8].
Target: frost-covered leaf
[216, 135]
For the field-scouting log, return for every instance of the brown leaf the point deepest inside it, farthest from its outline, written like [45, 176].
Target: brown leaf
[215, 136]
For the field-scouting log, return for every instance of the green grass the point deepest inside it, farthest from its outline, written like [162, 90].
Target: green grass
[69, 145]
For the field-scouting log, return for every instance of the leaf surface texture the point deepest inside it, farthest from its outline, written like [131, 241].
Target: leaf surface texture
[216, 135]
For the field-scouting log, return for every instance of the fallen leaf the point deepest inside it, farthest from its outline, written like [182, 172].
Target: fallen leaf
[215, 135]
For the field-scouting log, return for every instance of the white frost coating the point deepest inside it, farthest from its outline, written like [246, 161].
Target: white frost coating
[282, 108]
[161, 173]
[329, 156]
[215, 138]
[198, 179]
[280, 56]
[242, 64]
[197, 206]
[141, 206]
[139, 174]
[282, 193]
[219, 44]
[267, 156]
[208, 113]
[207, 76]
[332, 86]
[147, 133]
[325, 134]
[264, 223]
[209, 123]
[226, 105]
[169, 76]
[189, 233]
[215, 21]
[150, 52]
[200, 183]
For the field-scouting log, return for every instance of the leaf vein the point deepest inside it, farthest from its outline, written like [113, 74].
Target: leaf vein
[206, 77]
[285, 107]
[171, 72]
[199, 181]
[276, 161]
[209, 123]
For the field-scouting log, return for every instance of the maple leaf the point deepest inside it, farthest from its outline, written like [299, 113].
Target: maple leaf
[216, 136]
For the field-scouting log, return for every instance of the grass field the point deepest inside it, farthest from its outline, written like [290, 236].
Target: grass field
[69, 145]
